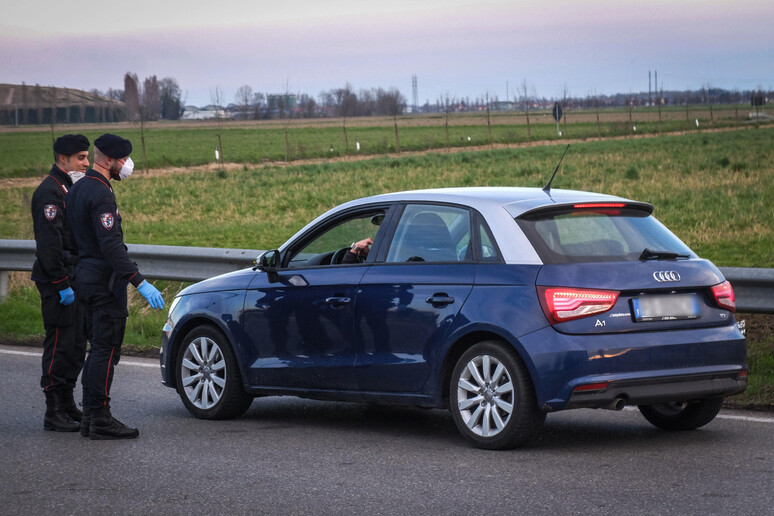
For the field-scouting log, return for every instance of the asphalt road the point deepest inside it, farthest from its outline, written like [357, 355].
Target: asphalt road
[290, 456]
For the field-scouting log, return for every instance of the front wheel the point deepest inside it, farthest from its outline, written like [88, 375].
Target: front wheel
[682, 415]
[208, 376]
[492, 398]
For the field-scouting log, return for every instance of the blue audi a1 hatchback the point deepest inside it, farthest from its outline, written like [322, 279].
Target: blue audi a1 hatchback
[500, 304]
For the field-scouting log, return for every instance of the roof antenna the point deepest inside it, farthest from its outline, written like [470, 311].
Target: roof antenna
[547, 188]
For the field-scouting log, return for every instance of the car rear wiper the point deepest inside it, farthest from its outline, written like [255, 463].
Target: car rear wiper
[647, 254]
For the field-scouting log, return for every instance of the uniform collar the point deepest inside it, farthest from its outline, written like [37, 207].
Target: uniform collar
[94, 175]
[62, 178]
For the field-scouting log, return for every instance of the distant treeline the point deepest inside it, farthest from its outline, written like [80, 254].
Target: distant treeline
[161, 99]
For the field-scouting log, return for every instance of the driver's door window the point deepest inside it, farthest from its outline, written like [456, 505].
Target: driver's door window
[329, 247]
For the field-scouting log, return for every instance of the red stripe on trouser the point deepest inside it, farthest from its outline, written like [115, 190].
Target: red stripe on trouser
[107, 375]
[53, 356]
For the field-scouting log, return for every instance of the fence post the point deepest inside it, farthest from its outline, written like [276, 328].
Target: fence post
[4, 275]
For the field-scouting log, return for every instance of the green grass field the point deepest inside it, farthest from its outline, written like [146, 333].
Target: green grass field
[712, 189]
[27, 151]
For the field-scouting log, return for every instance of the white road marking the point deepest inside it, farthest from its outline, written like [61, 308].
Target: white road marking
[769, 420]
[747, 418]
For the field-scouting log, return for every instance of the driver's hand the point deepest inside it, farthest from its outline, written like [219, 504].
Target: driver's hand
[362, 247]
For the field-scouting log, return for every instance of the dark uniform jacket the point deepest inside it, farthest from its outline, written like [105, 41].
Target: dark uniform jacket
[56, 251]
[94, 217]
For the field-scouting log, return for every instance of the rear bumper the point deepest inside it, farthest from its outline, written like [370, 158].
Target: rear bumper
[643, 368]
[660, 390]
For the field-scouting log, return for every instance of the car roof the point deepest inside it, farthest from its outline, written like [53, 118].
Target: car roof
[515, 200]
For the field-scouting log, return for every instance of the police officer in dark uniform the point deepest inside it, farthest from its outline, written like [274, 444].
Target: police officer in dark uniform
[104, 270]
[64, 346]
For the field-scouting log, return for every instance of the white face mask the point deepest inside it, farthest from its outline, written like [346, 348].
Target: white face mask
[75, 176]
[127, 169]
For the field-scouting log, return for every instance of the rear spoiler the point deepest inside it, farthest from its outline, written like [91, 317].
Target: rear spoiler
[610, 207]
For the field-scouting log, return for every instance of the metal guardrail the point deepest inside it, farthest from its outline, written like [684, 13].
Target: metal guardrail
[754, 288]
[166, 262]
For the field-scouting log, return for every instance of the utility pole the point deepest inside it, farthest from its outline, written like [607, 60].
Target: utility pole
[414, 93]
[650, 96]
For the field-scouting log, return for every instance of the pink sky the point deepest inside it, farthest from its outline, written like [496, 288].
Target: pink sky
[463, 49]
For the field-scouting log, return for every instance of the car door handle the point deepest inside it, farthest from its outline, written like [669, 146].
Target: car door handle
[440, 300]
[338, 301]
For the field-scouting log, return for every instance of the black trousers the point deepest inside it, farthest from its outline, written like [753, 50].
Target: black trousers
[64, 346]
[105, 307]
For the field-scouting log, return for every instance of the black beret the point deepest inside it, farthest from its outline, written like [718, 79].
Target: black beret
[70, 144]
[113, 146]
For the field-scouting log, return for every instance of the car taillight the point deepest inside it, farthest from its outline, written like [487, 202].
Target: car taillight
[597, 205]
[586, 387]
[565, 304]
[724, 296]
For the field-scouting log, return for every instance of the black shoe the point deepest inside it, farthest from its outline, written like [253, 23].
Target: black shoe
[56, 419]
[85, 421]
[105, 427]
[69, 406]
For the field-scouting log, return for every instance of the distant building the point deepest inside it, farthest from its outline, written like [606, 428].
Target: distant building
[205, 113]
[22, 104]
[281, 103]
[503, 105]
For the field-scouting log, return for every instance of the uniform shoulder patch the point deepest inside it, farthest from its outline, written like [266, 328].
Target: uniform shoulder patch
[108, 220]
[49, 210]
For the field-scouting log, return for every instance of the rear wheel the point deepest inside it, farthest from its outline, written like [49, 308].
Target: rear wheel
[682, 415]
[209, 382]
[492, 398]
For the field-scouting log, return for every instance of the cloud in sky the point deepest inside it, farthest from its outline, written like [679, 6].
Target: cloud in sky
[455, 47]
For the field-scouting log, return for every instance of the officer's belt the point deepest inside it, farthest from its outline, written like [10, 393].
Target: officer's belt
[99, 264]
[114, 283]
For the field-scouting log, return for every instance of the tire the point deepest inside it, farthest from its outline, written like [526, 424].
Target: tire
[494, 413]
[209, 382]
[682, 416]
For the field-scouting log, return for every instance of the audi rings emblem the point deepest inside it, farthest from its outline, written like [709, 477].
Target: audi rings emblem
[666, 276]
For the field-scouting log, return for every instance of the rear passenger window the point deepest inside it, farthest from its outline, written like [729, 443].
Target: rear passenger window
[430, 233]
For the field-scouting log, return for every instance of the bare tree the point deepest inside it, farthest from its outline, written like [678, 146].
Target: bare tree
[257, 104]
[565, 107]
[524, 94]
[285, 97]
[172, 106]
[134, 108]
[308, 105]
[708, 92]
[243, 98]
[216, 97]
[489, 121]
[150, 107]
[131, 97]
[687, 116]
[660, 101]
[447, 106]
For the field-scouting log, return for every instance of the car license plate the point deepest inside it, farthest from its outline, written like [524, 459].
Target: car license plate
[665, 308]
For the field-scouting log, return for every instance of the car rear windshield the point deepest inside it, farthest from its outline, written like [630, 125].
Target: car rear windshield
[584, 235]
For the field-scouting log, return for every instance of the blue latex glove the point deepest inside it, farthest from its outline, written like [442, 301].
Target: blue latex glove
[152, 295]
[66, 296]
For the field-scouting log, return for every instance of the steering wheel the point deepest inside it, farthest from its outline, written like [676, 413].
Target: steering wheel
[338, 256]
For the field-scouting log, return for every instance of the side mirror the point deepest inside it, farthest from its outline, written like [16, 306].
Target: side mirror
[268, 261]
